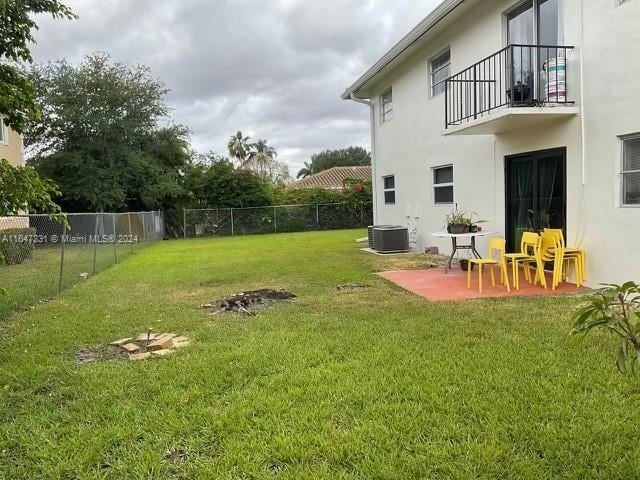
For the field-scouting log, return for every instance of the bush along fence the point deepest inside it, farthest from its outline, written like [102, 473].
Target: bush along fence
[40, 257]
[275, 219]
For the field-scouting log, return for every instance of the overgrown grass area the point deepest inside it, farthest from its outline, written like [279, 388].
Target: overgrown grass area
[368, 384]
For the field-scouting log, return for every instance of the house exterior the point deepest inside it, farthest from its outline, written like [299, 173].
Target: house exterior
[523, 112]
[11, 146]
[332, 178]
[12, 151]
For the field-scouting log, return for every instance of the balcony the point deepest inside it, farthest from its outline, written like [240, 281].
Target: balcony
[519, 87]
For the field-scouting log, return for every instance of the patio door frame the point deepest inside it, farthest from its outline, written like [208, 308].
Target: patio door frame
[533, 156]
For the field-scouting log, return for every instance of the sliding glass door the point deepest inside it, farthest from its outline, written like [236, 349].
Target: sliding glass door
[533, 22]
[535, 193]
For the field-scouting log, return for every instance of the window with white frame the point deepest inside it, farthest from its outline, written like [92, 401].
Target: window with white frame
[389, 189]
[4, 133]
[443, 185]
[440, 71]
[386, 106]
[631, 170]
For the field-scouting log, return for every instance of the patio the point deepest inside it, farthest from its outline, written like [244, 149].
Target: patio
[436, 285]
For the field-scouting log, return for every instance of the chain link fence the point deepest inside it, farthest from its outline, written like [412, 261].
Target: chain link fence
[275, 219]
[40, 257]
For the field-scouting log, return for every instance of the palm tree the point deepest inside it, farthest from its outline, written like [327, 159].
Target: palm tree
[262, 159]
[239, 148]
[305, 171]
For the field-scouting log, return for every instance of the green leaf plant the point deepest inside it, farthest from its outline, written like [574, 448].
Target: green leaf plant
[615, 308]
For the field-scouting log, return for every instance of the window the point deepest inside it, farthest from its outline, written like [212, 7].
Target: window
[386, 106]
[443, 185]
[389, 190]
[440, 71]
[631, 170]
[4, 133]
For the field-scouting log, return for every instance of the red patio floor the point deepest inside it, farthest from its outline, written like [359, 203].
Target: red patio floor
[435, 284]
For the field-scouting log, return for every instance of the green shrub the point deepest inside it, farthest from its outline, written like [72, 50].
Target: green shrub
[616, 309]
[16, 245]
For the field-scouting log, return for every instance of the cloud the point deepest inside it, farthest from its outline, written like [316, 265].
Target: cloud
[274, 69]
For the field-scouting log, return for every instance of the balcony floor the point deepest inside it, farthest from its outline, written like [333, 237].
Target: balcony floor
[512, 119]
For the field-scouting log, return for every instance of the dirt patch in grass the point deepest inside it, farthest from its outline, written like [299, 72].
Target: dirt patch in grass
[351, 287]
[245, 303]
[87, 355]
[416, 261]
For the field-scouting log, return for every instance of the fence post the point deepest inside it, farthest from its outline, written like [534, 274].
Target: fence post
[232, 230]
[318, 215]
[144, 225]
[130, 232]
[95, 244]
[184, 222]
[115, 243]
[275, 220]
[64, 233]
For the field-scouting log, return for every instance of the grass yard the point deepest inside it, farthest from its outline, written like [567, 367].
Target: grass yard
[38, 277]
[369, 384]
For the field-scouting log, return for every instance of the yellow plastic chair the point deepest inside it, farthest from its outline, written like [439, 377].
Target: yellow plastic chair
[529, 246]
[497, 247]
[551, 252]
[569, 253]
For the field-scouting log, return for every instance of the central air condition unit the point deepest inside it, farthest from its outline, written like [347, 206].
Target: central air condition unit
[370, 232]
[391, 239]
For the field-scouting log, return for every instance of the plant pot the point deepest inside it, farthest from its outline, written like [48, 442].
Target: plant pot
[464, 265]
[456, 228]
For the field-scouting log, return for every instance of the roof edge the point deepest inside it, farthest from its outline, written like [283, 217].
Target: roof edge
[437, 15]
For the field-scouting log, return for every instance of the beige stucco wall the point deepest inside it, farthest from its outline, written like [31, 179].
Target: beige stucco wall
[12, 152]
[12, 149]
[412, 143]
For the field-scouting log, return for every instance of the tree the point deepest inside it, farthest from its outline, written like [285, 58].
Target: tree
[22, 188]
[99, 136]
[17, 97]
[262, 160]
[304, 171]
[239, 148]
[345, 157]
[214, 182]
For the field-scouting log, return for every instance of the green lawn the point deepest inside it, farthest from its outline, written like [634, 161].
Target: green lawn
[38, 278]
[374, 384]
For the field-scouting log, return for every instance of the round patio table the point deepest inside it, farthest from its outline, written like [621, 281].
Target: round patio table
[471, 246]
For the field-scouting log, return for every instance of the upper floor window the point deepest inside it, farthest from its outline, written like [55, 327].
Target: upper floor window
[443, 185]
[440, 71]
[4, 133]
[386, 106]
[389, 189]
[631, 170]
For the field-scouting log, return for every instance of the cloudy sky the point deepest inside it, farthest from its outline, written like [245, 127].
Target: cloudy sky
[273, 68]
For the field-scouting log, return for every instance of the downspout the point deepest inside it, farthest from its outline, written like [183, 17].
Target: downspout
[582, 95]
[374, 177]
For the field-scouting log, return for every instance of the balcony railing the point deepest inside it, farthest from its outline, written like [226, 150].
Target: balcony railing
[516, 76]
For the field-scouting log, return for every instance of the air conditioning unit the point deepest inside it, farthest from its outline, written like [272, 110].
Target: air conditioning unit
[370, 232]
[392, 239]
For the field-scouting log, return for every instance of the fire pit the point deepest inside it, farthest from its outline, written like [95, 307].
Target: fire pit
[244, 302]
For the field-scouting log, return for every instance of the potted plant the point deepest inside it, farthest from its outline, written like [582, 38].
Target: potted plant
[475, 227]
[465, 265]
[457, 221]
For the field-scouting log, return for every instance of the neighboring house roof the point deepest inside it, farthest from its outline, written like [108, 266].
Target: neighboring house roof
[332, 178]
[414, 39]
